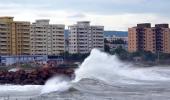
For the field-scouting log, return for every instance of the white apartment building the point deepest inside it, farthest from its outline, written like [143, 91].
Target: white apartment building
[83, 37]
[47, 39]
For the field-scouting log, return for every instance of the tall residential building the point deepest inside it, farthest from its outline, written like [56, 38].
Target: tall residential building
[47, 39]
[14, 37]
[83, 37]
[162, 32]
[147, 38]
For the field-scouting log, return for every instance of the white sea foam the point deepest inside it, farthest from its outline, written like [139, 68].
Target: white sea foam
[19, 88]
[108, 68]
[101, 66]
[58, 83]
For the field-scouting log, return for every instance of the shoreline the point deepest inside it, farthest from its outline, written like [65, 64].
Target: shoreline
[35, 76]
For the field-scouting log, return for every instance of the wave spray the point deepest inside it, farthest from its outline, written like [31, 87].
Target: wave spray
[108, 68]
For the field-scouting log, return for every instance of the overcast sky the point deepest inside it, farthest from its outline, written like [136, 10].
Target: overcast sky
[113, 14]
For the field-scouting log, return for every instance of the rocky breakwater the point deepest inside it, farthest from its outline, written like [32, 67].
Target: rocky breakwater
[33, 77]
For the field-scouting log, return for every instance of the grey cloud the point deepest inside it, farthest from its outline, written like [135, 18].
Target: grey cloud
[77, 15]
[97, 6]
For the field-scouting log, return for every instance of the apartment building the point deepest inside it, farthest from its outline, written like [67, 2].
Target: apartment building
[162, 32]
[83, 37]
[46, 38]
[147, 38]
[14, 37]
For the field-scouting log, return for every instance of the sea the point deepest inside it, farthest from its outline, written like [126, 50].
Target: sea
[100, 77]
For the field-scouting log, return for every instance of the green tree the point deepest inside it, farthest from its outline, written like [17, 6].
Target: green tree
[121, 53]
[106, 41]
[106, 48]
[118, 41]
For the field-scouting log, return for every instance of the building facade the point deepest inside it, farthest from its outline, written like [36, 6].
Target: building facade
[162, 32]
[47, 39]
[19, 59]
[83, 37]
[14, 37]
[147, 38]
[114, 37]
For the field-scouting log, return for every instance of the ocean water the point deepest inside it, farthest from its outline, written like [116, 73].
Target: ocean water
[100, 77]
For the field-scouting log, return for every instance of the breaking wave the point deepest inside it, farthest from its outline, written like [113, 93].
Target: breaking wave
[58, 83]
[108, 68]
[98, 67]
[102, 66]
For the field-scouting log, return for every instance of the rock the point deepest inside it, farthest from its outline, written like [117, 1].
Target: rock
[33, 77]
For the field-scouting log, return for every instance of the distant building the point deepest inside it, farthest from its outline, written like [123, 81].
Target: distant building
[66, 45]
[54, 61]
[147, 38]
[83, 37]
[10, 60]
[47, 39]
[113, 42]
[14, 37]
[114, 37]
[112, 46]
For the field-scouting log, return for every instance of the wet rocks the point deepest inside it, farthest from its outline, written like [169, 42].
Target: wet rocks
[33, 77]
